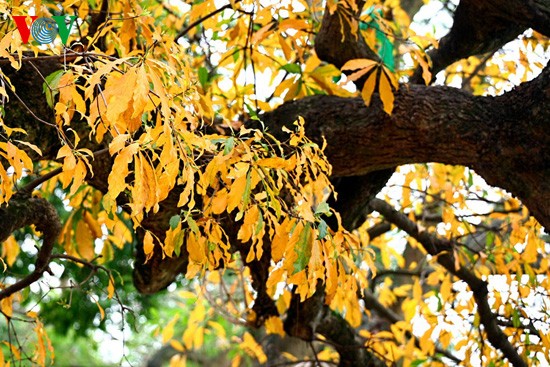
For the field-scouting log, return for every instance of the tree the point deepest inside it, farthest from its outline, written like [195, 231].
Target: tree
[227, 142]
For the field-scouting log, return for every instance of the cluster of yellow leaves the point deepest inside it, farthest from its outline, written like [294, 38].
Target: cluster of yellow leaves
[501, 244]
[20, 164]
[497, 73]
[378, 77]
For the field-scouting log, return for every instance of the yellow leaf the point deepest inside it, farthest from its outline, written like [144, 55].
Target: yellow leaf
[219, 201]
[445, 338]
[359, 64]
[249, 224]
[168, 331]
[530, 253]
[6, 306]
[64, 151]
[10, 250]
[235, 196]
[93, 225]
[42, 344]
[117, 177]
[178, 360]
[78, 176]
[274, 325]
[145, 189]
[111, 287]
[278, 163]
[426, 73]
[118, 143]
[196, 248]
[368, 88]
[31, 146]
[141, 92]
[386, 93]
[252, 348]
[84, 240]
[220, 331]
[101, 311]
[177, 345]
[296, 24]
[148, 245]
[120, 101]
[262, 33]
[236, 361]
[409, 309]
[287, 51]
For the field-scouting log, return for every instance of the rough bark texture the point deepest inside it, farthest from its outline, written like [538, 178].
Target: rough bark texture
[503, 138]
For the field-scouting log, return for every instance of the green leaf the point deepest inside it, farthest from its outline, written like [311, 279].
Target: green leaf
[246, 195]
[192, 224]
[229, 144]
[417, 362]
[292, 68]
[260, 224]
[489, 239]
[516, 321]
[50, 86]
[323, 229]
[203, 76]
[174, 221]
[303, 249]
[178, 241]
[323, 208]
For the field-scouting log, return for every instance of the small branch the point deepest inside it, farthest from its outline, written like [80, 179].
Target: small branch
[466, 81]
[24, 210]
[508, 323]
[40, 180]
[397, 272]
[378, 230]
[200, 20]
[444, 251]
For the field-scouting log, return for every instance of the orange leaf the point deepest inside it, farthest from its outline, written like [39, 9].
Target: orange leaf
[386, 93]
[111, 287]
[148, 245]
[359, 64]
[84, 240]
[368, 88]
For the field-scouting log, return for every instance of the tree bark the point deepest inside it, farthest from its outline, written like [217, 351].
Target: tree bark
[504, 139]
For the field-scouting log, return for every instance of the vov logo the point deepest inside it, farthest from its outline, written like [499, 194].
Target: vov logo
[44, 29]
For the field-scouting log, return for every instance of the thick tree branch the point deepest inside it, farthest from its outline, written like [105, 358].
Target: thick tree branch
[24, 210]
[352, 351]
[484, 27]
[503, 138]
[443, 250]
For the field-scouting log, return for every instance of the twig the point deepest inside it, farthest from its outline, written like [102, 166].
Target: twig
[200, 20]
[443, 250]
